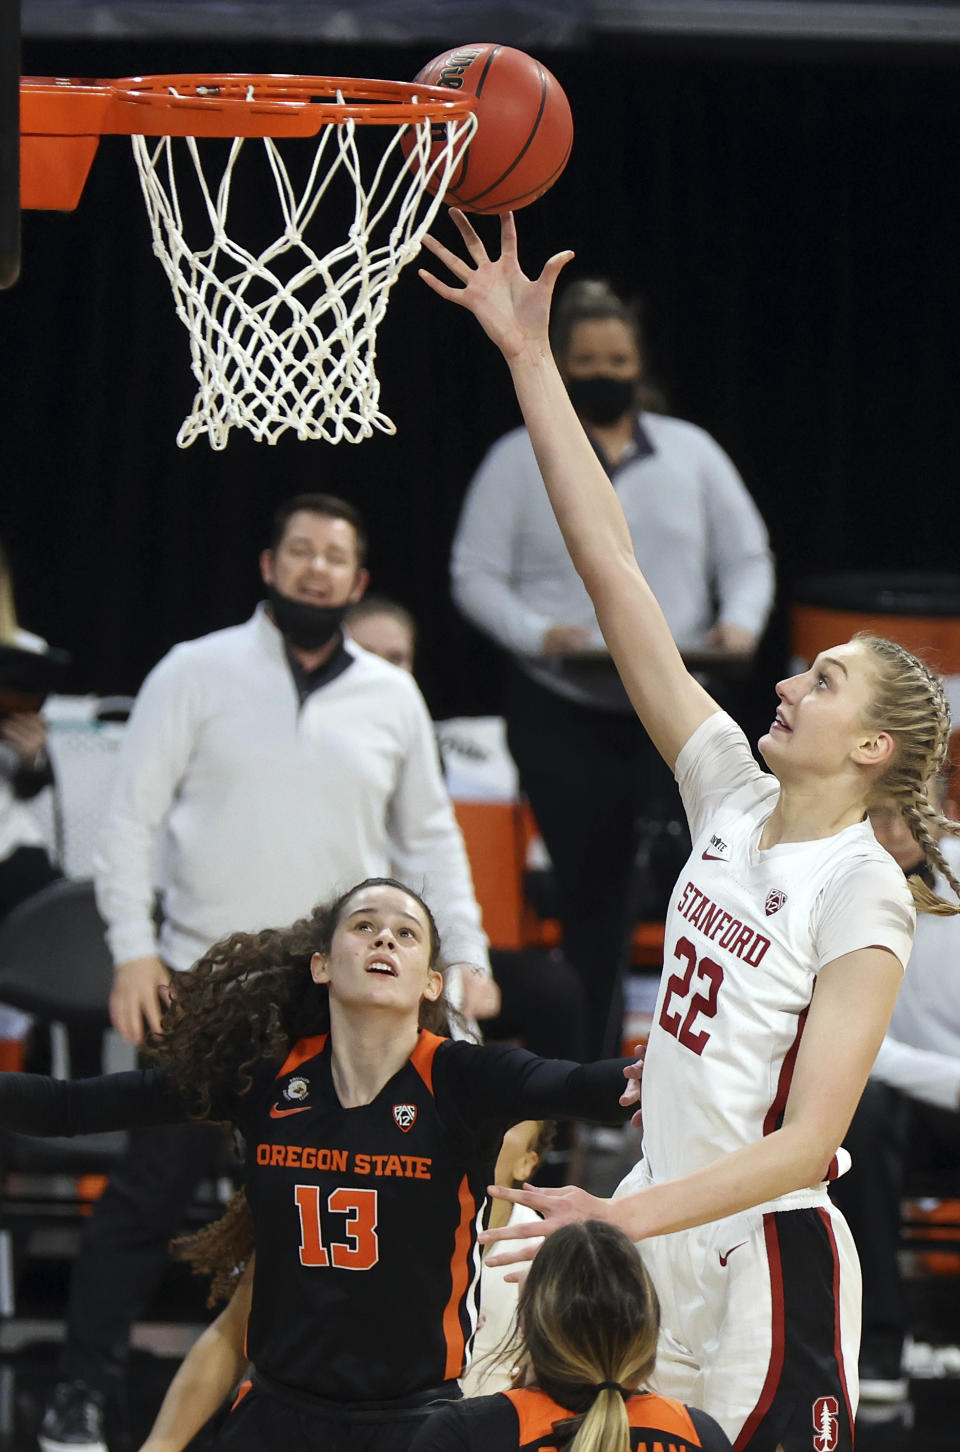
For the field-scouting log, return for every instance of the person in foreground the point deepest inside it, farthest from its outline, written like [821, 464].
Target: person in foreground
[225, 1251]
[786, 939]
[587, 1324]
[369, 1140]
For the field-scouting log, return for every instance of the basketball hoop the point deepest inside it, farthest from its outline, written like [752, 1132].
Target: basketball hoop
[282, 332]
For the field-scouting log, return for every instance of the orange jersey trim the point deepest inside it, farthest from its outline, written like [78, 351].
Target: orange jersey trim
[460, 1279]
[302, 1050]
[536, 1414]
[242, 1389]
[423, 1056]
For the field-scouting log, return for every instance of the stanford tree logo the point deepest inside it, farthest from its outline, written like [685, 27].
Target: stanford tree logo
[826, 1424]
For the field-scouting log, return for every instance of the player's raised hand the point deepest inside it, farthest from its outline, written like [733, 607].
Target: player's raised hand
[559, 1206]
[512, 309]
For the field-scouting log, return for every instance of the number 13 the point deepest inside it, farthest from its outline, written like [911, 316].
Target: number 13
[360, 1207]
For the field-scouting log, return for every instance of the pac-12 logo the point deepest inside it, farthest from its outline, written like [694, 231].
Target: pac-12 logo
[826, 1424]
[776, 898]
[405, 1116]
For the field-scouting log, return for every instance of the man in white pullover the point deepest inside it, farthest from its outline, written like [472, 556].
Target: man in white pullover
[275, 764]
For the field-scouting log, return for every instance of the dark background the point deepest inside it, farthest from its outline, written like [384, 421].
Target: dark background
[791, 215]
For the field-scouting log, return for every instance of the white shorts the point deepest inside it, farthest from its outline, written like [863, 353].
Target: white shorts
[760, 1321]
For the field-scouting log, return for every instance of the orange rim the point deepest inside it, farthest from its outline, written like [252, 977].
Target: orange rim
[62, 120]
[222, 105]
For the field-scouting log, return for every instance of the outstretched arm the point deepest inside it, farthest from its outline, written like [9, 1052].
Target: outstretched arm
[499, 1081]
[848, 1015]
[36, 1104]
[514, 312]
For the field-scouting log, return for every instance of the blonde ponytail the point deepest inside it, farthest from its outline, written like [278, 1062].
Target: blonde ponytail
[589, 1320]
[605, 1426]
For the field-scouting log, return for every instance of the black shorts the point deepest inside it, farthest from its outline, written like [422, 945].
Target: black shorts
[269, 1416]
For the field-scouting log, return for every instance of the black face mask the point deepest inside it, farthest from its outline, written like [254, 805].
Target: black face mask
[601, 399]
[309, 627]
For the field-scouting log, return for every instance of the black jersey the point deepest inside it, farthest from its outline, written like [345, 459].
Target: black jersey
[366, 1219]
[526, 1421]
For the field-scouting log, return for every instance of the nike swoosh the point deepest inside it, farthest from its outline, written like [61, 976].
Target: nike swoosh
[723, 1258]
[277, 1113]
[712, 857]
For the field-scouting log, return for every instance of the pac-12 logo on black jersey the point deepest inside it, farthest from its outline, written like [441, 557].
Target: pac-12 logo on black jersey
[405, 1116]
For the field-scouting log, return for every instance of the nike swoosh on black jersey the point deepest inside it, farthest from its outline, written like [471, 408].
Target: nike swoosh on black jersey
[277, 1113]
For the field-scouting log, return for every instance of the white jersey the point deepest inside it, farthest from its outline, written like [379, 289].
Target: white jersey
[747, 932]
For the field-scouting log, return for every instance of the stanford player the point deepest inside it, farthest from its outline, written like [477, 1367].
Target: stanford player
[787, 935]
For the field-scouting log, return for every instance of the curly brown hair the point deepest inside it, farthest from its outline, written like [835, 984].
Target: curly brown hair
[220, 1250]
[251, 997]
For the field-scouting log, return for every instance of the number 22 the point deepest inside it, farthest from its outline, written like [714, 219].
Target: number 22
[701, 1005]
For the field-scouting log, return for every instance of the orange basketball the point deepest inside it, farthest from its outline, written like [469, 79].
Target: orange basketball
[524, 126]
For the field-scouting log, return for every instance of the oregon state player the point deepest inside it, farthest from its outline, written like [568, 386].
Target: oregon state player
[587, 1325]
[217, 1361]
[370, 1141]
[785, 943]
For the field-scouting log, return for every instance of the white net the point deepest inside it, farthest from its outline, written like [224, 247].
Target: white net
[284, 336]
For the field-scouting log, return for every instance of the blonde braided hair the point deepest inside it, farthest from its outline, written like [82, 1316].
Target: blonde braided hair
[910, 703]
